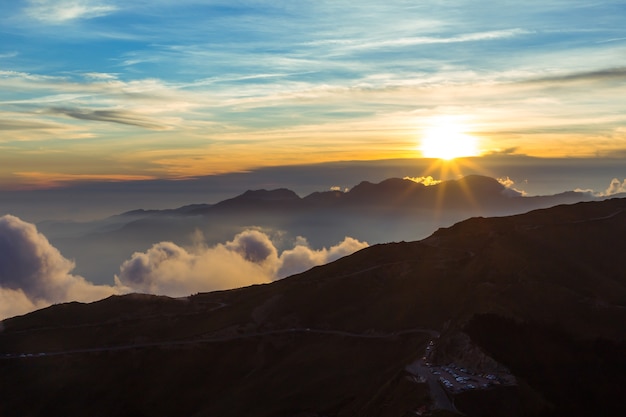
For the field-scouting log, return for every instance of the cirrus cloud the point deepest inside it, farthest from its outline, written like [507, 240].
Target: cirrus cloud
[122, 117]
[61, 11]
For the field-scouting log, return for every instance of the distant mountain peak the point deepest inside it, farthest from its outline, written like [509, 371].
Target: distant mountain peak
[278, 199]
[474, 192]
[267, 195]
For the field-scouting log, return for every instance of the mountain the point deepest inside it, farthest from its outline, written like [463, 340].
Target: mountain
[473, 192]
[392, 210]
[522, 315]
[280, 199]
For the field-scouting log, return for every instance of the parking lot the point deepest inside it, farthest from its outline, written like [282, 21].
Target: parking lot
[457, 379]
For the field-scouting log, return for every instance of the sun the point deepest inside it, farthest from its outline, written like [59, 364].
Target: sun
[447, 141]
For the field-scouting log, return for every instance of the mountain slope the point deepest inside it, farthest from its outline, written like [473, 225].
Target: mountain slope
[538, 301]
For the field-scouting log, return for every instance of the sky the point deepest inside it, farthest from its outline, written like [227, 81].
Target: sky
[100, 91]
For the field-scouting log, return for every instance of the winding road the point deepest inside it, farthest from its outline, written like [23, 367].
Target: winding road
[430, 332]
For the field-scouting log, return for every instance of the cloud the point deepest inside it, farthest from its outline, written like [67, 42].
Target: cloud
[250, 258]
[114, 116]
[34, 274]
[61, 11]
[168, 269]
[337, 46]
[509, 190]
[57, 179]
[616, 187]
[605, 74]
[15, 302]
[254, 246]
[9, 55]
[428, 180]
[17, 124]
[302, 257]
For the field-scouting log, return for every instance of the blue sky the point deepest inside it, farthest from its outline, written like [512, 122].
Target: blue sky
[97, 90]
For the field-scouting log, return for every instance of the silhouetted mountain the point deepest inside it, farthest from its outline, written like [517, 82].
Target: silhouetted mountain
[279, 199]
[392, 210]
[520, 316]
[390, 191]
[473, 192]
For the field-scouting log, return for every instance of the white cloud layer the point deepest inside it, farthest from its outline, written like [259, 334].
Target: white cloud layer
[250, 258]
[34, 274]
[510, 189]
[616, 187]
[302, 257]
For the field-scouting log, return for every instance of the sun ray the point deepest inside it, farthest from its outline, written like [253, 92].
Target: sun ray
[454, 169]
[452, 150]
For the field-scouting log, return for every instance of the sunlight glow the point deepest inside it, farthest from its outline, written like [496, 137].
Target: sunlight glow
[446, 140]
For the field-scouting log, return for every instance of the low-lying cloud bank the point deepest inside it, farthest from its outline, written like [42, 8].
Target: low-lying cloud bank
[34, 274]
[250, 258]
[615, 187]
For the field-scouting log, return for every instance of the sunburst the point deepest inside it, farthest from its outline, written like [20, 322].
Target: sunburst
[446, 140]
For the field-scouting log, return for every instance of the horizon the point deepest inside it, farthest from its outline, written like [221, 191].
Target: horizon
[92, 200]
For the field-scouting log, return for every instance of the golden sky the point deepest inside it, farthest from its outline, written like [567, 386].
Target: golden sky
[98, 90]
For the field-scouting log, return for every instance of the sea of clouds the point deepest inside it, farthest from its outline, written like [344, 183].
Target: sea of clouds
[34, 274]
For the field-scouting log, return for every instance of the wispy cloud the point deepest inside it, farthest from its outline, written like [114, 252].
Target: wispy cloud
[427, 180]
[16, 124]
[38, 102]
[61, 11]
[39, 180]
[113, 116]
[601, 75]
[101, 76]
[426, 40]
[8, 55]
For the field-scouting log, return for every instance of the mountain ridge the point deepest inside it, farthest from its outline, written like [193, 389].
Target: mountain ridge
[393, 193]
[536, 299]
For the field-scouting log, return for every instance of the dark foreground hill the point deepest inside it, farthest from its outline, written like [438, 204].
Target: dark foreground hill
[511, 316]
